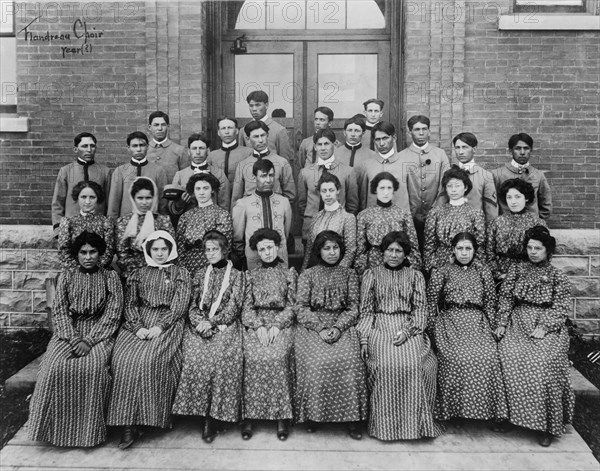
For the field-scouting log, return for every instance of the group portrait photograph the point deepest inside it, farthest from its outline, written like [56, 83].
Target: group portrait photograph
[300, 235]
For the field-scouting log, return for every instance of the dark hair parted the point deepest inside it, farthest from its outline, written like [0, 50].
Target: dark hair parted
[400, 238]
[77, 139]
[158, 114]
[356, 120]
[199, 136]
[541, 234]
[254, 125]
[87, 237]
[459, 174]
[263, 165]
[89, 184]
[329, 178]
[136, 135]
[219, 238]
[523, 187]
[326, 133]
[322, 238]
[228, 118]
[385, 127]
[325, 110]
[467, 137]
[264, 234]
[418, 118]
[377, 101]
[522, 136]
[150, 243]
[213, 181]
[383, 176]
[141, 184]
[259, 96]
[465, 236]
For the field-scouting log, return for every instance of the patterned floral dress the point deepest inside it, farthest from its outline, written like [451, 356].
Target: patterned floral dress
[146, 371]
[462, 311]
[192, 227]
[71, 227]
[505, 236]
[401, 379]
[442, 224]
[269, 302]
[536, 371]
[69, 403]
[330, 378]
[129, 258]
[374, 224]
[339, 221]
[211, 378]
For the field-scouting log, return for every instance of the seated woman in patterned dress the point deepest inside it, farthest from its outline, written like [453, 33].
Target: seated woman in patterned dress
[462, 314]
[535, 299]
[268, 318]
[196, 222]
[68, 405]
[147, 358]
[211, 379]
[506, 233]
[330, 376]
[377, 221]
[132, 230]
[400, 363]
[445, 221]
[88, 195]
[332, 217]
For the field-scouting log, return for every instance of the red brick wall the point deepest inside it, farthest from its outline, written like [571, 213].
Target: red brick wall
[149, 57]
[469, 76]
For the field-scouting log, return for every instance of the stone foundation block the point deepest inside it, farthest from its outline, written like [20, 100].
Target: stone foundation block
[6, 280]
[42, 260]
[12, 259]
[4, 319]
[585, 287]
[29, 320]
[39, 301]
[15, 301]
[27, 236]
[580, 241]
[587, 309]
[595, 266]
[32, 280]
[573, 266]
[588, 327]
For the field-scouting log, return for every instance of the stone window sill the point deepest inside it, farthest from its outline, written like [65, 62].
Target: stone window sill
[13, 123]
[549, 21]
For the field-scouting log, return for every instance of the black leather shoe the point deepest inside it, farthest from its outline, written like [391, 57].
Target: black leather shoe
[354, 431]
[282, 430]
[310, 427]
[128, 438]
[247, 430]
[210, 431]
[545, 439]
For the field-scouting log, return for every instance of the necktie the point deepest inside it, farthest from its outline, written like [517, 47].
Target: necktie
[227, 151]
[266, 207]
[86, 165]
[353, 153]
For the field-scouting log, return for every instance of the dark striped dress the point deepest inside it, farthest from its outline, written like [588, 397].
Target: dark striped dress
[402, 379]
[536, 371]
[71, 394]
[330, 378]
[211, 378]
[146, 371]
[128, 257]
[71, 227]
[269, 302]
[462, 311]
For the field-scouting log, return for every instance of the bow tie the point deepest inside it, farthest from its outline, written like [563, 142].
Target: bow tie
[230, 148]
[260, 155]
[200, 168]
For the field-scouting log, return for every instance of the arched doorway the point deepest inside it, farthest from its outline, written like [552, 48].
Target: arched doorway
[304, 54]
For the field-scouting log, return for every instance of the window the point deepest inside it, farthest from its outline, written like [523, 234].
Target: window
[550, 6]
[310, 14]
[8, 52]
[552, 15]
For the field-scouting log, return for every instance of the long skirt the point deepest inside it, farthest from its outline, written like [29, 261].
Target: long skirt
[469, 381]
[211, 377]
[71, 395]
[146, 373]
[268, 377]
[330, 378]
[402, 383]
[536, 374]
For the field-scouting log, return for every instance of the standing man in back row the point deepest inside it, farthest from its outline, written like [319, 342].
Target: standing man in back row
[162, 151]
[279, 141]
[323, 116]
[373, 113]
